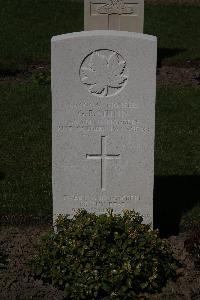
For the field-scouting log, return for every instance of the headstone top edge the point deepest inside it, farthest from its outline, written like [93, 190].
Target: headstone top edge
[96, 33]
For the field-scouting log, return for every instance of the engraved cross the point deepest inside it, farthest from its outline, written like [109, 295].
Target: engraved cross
[114, 9]
[103, 157]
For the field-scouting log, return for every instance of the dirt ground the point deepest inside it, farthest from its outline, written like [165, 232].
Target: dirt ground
[20, 243]
[185, 74]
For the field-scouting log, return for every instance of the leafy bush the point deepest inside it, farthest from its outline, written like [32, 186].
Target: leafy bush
[104, 257]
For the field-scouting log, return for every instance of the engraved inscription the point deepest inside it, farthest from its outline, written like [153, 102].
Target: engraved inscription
[104, 73]
[112, 117]
[102, 203]
[103, 157]
[112, 105]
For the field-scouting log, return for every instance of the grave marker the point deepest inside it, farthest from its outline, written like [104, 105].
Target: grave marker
[103, 89]
[123, 15]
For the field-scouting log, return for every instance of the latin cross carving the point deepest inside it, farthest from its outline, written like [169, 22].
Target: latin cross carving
[103, 157]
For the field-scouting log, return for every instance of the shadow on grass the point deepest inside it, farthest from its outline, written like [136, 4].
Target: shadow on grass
[173, 196]
[2, 176]
[164, 53]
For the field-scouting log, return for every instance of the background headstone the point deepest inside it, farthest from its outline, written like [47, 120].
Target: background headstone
[123, 15]
[103, 88]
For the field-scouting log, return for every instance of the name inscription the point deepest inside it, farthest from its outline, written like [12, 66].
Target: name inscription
[100, 118]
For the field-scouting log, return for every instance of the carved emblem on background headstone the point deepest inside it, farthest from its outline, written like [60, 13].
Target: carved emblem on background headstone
[104, 73]
[115, 7]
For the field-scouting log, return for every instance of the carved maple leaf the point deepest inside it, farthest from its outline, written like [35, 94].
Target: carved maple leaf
[103, 73]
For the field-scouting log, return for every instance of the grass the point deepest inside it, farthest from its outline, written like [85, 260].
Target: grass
[192, 215]
[27, 27]
[25, 129]
[177, 131]
[177, 29]
[25, 122]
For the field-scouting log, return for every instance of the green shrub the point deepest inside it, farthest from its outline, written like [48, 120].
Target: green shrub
[104, 257]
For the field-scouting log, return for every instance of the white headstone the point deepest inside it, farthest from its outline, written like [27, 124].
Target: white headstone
[103, 88]
[123, 15]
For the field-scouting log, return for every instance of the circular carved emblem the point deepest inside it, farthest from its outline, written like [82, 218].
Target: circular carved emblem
[104, 73]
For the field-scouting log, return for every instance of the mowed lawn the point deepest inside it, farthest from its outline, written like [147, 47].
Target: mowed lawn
[25, 109]
[28, 25]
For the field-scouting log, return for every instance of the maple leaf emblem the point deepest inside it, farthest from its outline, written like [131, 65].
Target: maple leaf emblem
[104, 74]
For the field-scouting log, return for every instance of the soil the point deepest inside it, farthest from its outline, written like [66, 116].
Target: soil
[19, 243]
[177, 74]
[23, 76]
[187, 285]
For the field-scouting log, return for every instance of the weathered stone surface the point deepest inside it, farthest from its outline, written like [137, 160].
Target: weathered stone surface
[123, 15]
[103, 88]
